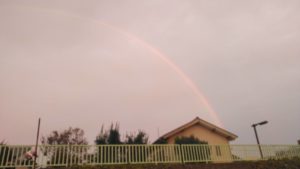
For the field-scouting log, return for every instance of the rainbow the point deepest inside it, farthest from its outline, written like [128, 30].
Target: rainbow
[152, 49]
[172, 65]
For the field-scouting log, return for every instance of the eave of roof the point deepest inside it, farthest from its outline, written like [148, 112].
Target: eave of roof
[228, 135]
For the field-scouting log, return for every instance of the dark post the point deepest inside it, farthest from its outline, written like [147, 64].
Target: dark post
[261, 154]
[36, 143]
[254, 127]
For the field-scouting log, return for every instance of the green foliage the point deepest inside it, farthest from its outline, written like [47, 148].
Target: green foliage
[102, 137]
[70, 136]
[188, 140]
[112, 136]
[161, 141]
[140, 138]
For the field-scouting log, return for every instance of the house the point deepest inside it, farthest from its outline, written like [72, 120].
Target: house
[217, 138]
[202, 130]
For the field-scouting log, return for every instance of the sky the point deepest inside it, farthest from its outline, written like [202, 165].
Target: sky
[150, 65]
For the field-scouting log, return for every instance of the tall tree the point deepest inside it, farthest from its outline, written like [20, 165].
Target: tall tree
[140, 138]
[101, 138]
[112, 136]
[70, 136]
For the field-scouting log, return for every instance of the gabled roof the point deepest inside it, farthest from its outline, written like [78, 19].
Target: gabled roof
[228, 135]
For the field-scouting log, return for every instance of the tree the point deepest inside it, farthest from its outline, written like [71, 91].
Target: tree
[69, 136]
[134, 151]
[112, 136]
[71, 154]
[101, 138]
[161, 140]
[140, 138]
[189, 140]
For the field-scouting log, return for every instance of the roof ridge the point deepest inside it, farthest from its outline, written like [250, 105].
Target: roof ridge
[208, 125]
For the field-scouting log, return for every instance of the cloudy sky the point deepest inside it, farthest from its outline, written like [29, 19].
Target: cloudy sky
[151, 65]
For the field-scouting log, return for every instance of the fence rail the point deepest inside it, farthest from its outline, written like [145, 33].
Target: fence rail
[68, 155]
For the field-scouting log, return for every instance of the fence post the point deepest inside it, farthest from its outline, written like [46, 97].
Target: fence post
[71, 155]
[67, 155]
[207, 153]
[181, 153]
[129, 151]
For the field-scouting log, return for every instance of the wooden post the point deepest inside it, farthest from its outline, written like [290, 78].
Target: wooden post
[36, 143]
